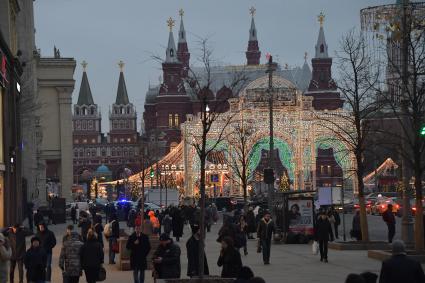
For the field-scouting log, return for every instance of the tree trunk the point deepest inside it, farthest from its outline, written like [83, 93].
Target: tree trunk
[419, 229]
[203, 158]
[363, 216]
[142, 206]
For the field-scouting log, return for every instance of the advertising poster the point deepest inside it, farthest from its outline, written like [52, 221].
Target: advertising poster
[301, 216]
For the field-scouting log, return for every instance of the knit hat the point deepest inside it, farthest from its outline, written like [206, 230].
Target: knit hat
[399, 248]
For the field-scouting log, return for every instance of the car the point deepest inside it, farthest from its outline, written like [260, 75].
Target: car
[379, 195]
[380, 206]
[151, 206]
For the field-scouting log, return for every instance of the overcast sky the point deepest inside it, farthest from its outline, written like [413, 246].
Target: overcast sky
[102, 32]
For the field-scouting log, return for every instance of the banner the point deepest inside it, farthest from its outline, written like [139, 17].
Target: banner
[300, 216]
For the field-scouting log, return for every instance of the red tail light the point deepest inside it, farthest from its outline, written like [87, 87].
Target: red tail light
[382, 206]
[414, 208]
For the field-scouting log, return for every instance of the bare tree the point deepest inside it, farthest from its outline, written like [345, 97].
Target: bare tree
[356, 84]
[145, 162]
[405, 98]
[209, 114]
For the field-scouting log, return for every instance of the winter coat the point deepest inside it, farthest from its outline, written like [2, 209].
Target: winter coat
[170, 265]
[35, 262]
[192, 247]
[115, 229]
[167, 222]
[85, 225]
[18, 243]
[231, 261]
[227, 230]
[324, 230]
[69, 259]
[73, 213]
[5, 255]
[250, 220]
[356, 223]
[388, 217]
[400, 268]
[265, 230]
[91, 254]
[139, 252]
[132, 219]
[47, 240]
[177, 223]
[38, 218]
[98, 228]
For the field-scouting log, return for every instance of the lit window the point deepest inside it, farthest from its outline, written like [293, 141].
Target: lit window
[128, 139]
[176, 120]
[84, 140]
[76, 141]
[93, 140]
[115, 140]
[329, 170]
[121, 139]
[170, 120]
[322, 169]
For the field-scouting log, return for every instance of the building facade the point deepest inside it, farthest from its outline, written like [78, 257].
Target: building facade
[117, 151]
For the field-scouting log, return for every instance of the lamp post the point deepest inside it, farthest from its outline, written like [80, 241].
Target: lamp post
[271, 67]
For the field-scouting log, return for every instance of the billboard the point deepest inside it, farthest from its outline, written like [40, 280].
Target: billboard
[301, 216]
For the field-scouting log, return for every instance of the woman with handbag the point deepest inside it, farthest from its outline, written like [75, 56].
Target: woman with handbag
[92, 258]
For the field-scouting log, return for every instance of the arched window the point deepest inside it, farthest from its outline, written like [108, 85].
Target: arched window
[77, 111]
[170, 120]
[113, 152]
[322, 48]
[92, 110]
[121, 124]
[127, 124]
[84, 124]
[114, 124]
[128, 110]
[176, 120]
[84, 111]
[75, 153]
[171, 52]
[131, 151]
[121, 110]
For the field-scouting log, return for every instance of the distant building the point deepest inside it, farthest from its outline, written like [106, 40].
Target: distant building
[118, 150]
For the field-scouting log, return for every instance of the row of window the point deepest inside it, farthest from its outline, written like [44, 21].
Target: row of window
[84, 125]
[114, 151]
[93, 141]
[122, 124]
[122, 110]
[173, 120]
[85, 110]
[84, 141]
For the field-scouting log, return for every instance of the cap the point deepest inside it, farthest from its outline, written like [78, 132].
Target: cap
[164, 237]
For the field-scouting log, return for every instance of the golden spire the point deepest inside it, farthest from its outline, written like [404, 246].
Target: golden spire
[252, 11]
[170, 23]
[321, 18]
[181, 13]
[121, 65]
[84, 64]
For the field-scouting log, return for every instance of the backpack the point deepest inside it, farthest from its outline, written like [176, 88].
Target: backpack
[107, 230]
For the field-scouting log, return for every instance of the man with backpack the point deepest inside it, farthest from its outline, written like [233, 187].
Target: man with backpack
[112, 233]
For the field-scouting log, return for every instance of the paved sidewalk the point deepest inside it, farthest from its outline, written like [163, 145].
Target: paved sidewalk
[289, 263]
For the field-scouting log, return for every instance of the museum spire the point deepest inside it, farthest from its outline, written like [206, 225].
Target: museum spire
[171, 54]
[253, 53]
[85, 97]
[321, 46]
[183, 54]
[122, 96]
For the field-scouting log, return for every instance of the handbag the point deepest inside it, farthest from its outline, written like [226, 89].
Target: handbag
[116, 247]
[102, 274]
[315, 248]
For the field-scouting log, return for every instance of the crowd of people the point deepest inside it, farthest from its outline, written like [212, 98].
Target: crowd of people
[83, 250]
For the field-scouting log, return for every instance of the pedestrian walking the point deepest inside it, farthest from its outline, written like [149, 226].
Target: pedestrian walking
[139, 246]
[98, 229]
[265, 232]
[155, 222]
[167, 222]
[91, 257]
[227, 230]
[229, 259]
[166, 259]
[356, 228]
[16, 237]
[48, 242]
[323, 235]
[400, 268]
[241, 234]
[131, 221]
[74, 214]
[113, 236]
[35, 262]
[178, 223]
[5, 255]
[336, 220]
[70, 258]
[250, 220]
[192, 247]
[389, 219]
[85, 225]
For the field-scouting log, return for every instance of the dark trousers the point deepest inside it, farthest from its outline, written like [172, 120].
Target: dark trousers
[266, 245]
[138, 275]
[391, 231]
[112, 241]
[336, 230]
[323, 248]
[71, 279]
[20, 263]
[49, 267]
[92, 274]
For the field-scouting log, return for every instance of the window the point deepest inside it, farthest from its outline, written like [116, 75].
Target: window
[76, 141]
[322, 170]
[128, 110]
[84, 140]
[90, 123]
[127, 124]
[75, 153]
[93, 140]
[84, 124]
[115, 140]
[119, 152]
[171, 52]
[81, 152]
[103, 151]
[329, 170]
[93, 152]
[114, 124]
[77, 111]
[131, 152]
[176, 120]
[78, 125]
[128, 139]
[125, 152]
[170, 120]
[121, 124]
[113, 152]
[121, 139]
[92, 110]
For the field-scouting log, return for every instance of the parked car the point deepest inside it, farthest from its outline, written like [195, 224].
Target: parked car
[381, 206]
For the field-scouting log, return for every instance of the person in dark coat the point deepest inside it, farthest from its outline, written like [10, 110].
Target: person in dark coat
[245, 274]
[400, 268]
[229, 258]
[389, 219]
[113, 238]
[70, 259]
[356, 231]
[47, 242]
[265, 232]
[227, 230]
[38, 218]
[74, 215]
[250, 220]
[192, 248]
[35, 261]
[131, 221]
[323, 235]
[139, 246]
[98, 228]
[167, 222]
[91, 257]
[85, 225]
[16, 236]
[178, 223]
[166, 259]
